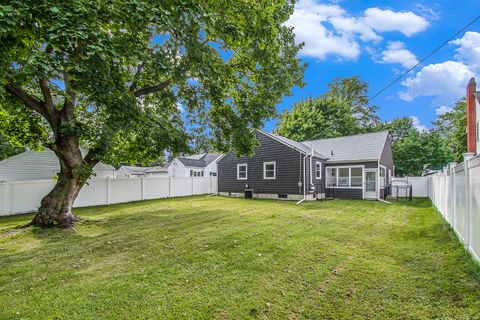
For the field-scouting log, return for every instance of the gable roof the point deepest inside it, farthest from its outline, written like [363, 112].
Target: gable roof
[299, 146]
[201, 160]
[360, 147]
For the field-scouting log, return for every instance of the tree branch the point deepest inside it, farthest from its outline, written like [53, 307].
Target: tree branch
[48, 105]
[30, 101]
[69, 103]
[133, 86]
[147, 90]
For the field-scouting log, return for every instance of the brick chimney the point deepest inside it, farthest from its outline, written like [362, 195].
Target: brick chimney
[471, 117]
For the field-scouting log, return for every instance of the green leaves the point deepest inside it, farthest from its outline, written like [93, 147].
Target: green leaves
[227, 62]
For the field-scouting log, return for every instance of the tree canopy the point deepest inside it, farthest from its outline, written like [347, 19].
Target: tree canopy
[452, 125]
[342, 110]
[109, 75]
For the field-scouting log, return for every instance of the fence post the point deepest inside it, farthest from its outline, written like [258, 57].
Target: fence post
[192, 186]
[468, 221]
[453, 192]
[142, 188]
[169, 187]
[109, 190]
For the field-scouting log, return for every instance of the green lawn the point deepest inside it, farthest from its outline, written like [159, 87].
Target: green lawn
[220, 258]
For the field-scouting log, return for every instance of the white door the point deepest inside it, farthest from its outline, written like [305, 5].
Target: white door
[370, 185]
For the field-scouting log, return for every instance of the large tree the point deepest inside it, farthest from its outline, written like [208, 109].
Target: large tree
[417, 149]
[109, 75]
[452, 125]
[318, 118]
[342, 110]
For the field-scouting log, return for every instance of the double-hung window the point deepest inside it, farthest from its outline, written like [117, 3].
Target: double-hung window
[242, 171]
[269, 170]
[318, 170]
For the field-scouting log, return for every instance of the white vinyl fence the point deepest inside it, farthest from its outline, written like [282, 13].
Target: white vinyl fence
[456, 193]
[24, 196]
[419, 186]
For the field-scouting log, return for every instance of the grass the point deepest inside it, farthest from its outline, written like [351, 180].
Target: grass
[220, 258]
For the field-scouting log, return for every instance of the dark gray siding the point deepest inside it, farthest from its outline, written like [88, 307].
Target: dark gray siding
[345, 193]
[386, 160]
[289, 169]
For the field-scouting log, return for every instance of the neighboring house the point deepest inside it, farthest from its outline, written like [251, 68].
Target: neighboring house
[200, 165]
[31, 165]
[132, 172]
[355, 167]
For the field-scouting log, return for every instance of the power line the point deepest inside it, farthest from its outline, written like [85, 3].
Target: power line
[425, 58]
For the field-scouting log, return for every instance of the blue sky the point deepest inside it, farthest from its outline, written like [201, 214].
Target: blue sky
[377, 40]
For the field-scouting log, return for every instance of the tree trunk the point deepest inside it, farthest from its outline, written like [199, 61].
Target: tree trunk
[56, 207]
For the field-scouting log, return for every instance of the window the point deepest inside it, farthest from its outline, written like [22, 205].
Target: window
[242, 171]
[318, 170]
[343, 177]
[202, 173]
[269, 170]
[331, 177]
[213, 174]
[383, 177]
[356, 178]
[191, 173]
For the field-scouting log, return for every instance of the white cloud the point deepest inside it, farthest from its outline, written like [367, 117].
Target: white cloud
[469, 50]
[396, 53]
[445, 81]
[417, 124]
[328, 30]
[407, 23]
[442, 110]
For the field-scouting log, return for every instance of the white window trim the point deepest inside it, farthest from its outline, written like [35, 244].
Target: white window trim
[238, 171]
[320, 163]
[274, 170]
[349, 177]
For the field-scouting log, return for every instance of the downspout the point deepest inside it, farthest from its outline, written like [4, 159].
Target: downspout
[304, 179]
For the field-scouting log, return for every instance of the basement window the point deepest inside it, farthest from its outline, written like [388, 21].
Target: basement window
[282, 196]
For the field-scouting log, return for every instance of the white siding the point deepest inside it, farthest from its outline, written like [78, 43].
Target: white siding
[31, 165]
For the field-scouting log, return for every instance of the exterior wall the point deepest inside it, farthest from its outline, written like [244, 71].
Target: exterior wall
[31, 165]
[212, 167]
[177, 169]
[289, 170]
[349, 193]
[386, 160]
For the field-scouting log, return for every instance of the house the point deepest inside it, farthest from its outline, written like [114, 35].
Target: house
[132, 171]
[353, 167]
[32, 165]
[199, 165]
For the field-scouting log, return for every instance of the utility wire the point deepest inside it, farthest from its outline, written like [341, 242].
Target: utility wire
[425, 58]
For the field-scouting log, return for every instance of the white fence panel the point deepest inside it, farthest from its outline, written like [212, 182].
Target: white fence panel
[474, 227]
[25, 196]
[202, 184]
[93, 194]
[182, 187]
[156, 188]
[455, 192]
[126, 190]
[459, 214]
